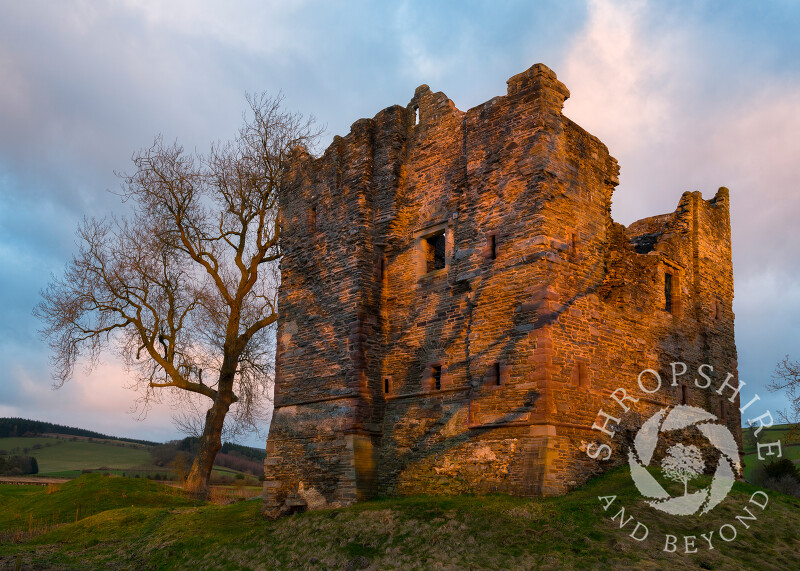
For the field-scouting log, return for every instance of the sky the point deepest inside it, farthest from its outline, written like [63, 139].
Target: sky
[686, 95]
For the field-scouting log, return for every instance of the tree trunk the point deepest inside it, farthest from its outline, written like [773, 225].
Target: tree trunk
[210, 444]
[211, 440]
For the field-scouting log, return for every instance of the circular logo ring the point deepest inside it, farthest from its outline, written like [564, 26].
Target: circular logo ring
[644, 445]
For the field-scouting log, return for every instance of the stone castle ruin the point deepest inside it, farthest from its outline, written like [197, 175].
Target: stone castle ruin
[457, 304]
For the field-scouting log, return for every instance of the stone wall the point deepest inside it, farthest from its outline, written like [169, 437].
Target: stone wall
[457, 304]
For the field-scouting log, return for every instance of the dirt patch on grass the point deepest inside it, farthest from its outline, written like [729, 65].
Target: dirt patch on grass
[31, 480]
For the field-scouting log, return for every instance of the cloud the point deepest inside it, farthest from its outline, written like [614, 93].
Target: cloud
[678, 116]
[613, 69]
[256, 26]
[686, 96]
[98, 401]
[82, 75]
[671, 131]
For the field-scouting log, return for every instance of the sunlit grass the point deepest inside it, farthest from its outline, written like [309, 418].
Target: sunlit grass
[157, 527]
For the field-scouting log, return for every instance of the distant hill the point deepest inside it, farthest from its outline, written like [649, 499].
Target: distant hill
[10, 427]
[790, 446]
[786, 433]
[63, 456]
[79, 456]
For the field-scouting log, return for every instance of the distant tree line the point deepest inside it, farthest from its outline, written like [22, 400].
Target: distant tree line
[239, 463]
[255, 454]
[18, 465]
[781, 475]
[10, 427]
[164, 454]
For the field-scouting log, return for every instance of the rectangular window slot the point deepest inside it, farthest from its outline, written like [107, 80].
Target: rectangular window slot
[436, 374]
[668, 292]
[684, 394]
[493, 247]
[435, 247]
[312, 219]
[497, 378]
[386, 385]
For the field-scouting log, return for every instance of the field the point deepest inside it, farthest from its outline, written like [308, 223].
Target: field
[60, 456]
[67, 457]
[790, 446]
[121, 523]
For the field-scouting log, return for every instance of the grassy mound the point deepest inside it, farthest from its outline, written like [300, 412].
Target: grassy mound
[466, 532]
[34, 508]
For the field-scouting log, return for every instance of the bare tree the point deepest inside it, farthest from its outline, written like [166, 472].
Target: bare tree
[683, 464]
[185, 287]
[786, 379]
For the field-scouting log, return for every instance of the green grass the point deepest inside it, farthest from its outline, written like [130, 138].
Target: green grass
[165, 531]
[67, 455]
[790, 446]
[8, 493]
[66, 458]
[74, 500]
[780, 432]
[68, 474]
[21, 442]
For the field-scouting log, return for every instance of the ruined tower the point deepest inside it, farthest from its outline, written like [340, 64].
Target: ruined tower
[457, 304]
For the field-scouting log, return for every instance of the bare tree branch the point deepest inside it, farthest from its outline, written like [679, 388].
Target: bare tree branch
[786, 379]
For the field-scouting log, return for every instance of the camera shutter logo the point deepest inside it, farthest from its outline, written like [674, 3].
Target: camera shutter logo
[683, 462]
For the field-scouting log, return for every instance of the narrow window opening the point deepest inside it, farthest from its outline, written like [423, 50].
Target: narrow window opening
[382, 268]
[497, 378]
[436, 373]
[435, 247]
[416, 115]
[668, 292]
[684, 394]
[386, 385]
[493, 247]
[312, 219]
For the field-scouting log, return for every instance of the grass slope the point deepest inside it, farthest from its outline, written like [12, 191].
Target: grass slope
[487, 532]
[8, 493]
